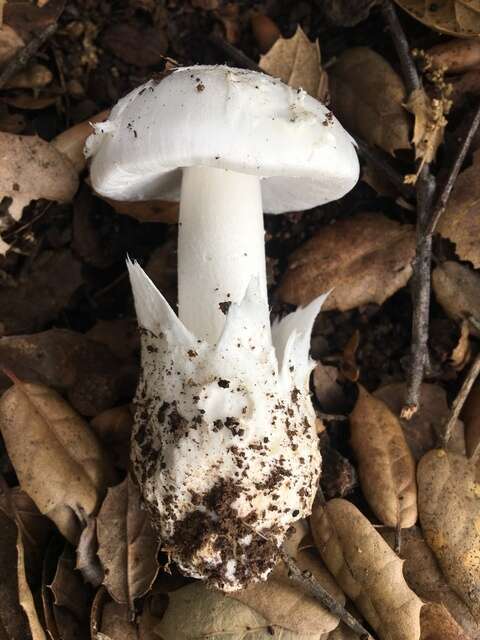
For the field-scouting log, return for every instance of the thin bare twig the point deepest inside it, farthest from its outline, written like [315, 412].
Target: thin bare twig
[460, 400]
[306, 581]
[20, 60]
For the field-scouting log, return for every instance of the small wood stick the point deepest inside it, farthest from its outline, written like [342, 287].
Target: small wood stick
[305, 580]
[460, 400]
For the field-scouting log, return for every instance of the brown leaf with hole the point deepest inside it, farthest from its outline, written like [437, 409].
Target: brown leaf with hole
[423, 575]
[455, 56]
[33, 169]
[56, 457]
[457, 289]
[386, 467]
[460, 222]
[426, 426]
[368, 97]
[10, 43]
[471, 417]
[430, 123]
[366, 569]
[127, 544]
[298, 63]
[459, 18]
[438, 624]
[364, 259]
[449, 510]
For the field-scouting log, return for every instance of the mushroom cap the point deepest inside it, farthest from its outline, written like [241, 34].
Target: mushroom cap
[233, 119]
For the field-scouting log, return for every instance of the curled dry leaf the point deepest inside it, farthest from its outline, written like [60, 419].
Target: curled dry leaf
[424, 429]
[367, 570]
[471, 416]
[457, 289]
[364, 259]
[423, 575]
[456, 56]
[430, 123]
[57, 459]
[71, 142]
[455, 17]
[449, 509]
[33, 169]
[127, 544]
[88, 562]
[385, 464]
[368, 97]
[460, 222]
[297, 62]
[10, 43]
[197, 612]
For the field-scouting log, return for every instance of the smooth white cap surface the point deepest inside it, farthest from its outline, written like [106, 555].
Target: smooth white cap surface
[216, 116]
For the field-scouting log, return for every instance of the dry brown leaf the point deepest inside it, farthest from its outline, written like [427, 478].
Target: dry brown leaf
[423, 575]
[430, 123]
[455, 56]
[367, 570]
[72, 141]
[455, 17]
[298, 63]
[328, 391]
[88, 563]
[286, 606]
[147, 210]
[471, 417]
[457, 289]
[461, 354]
[368, 97]
[10, 43]
[30, 18]
[114, 429]
[120, 336]
[438, 624]
[423, 430]
[385, 464]
[57, 459]
[25, 595]
[364, 259]
[127, 544]
[461, 221]
[449, 510]
[33, 169]
[197, 612]
[265, 31]
[35, 76]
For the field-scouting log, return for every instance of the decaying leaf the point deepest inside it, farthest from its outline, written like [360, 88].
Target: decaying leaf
[423, 575]
[471, 417]
[114, 621]
[33, 169]
[457, 289]
[197, 612]
[461, 353]
[456, 55]
[29, 18]
[367, 570]
[265, 31]
[339, 476]
[328, 390]
[86, 370]
[127, 544]
[449, 509]
[385, 464]
[114, 429]
[460, 222]
[10, 43]
[455, 17]
[57, 459]
[438, 624]
[430, 123]
[35, 76]
[147, 210]
[424, 429]
[297, 62]
[88, 562]
[364, 259]
[368, 97]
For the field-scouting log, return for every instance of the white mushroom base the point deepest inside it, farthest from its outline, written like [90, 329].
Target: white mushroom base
[225, 447]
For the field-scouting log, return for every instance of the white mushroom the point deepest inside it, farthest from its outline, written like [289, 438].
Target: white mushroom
[225, 447]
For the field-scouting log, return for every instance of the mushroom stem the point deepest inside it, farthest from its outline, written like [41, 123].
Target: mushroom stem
[221, 247]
